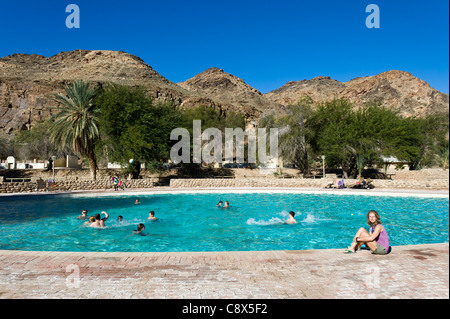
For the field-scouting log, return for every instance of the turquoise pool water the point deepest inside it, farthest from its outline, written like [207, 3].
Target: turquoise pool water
[192, 222]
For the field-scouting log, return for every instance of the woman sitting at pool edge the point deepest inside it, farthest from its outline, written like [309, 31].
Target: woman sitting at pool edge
[376, 239]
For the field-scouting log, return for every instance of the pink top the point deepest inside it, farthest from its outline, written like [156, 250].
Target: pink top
[383, 238]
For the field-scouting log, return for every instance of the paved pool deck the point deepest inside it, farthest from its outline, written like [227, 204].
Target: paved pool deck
[409, 272]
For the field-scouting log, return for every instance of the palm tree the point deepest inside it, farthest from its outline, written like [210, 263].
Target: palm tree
[76, 123]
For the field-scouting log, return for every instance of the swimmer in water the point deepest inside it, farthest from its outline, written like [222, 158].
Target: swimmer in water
[83, 215]
[137, 202]
[99, 222]
[120, 218]
[90, 221]
[291, 219]
[151, 216]
[139, 230]
[219, 204]
[227, 204]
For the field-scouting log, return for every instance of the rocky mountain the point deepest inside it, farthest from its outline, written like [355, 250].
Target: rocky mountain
[396, 89]
[232, 92]
[27, 83]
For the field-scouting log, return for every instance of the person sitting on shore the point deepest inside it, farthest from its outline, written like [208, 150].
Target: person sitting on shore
[332, 184]
[376, 239]
[99, 222]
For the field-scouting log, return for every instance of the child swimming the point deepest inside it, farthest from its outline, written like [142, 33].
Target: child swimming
[139, 230]
[90, 221]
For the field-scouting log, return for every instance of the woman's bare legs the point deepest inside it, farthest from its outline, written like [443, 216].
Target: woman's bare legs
[357, 245]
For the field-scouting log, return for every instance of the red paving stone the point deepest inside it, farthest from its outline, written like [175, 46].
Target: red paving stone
[420, 271]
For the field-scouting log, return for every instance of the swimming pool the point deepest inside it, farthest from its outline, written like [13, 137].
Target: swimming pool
[192, 222]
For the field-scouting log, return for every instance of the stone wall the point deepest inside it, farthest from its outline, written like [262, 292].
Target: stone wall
[426, 174]
[305, 182]
[432, 179]
[72, 185]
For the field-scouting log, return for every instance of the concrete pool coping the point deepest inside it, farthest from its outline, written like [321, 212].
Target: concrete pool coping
[168, 190]
[409, 272]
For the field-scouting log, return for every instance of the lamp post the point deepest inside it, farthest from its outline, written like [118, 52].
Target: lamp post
[323, 163]
[53, 167]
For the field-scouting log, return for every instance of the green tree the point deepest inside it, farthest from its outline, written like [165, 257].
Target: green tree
[434, 129]
[35, 143]
[211, 117]
[353, 137]
[134, 127]
[334, 135]
[294, 133]
[76, 121]
[4, 146]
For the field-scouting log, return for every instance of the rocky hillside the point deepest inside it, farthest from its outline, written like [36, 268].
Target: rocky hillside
[27, 83]
[396, 89]
[231, 91]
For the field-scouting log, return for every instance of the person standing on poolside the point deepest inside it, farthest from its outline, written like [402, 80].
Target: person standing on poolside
[376, 239]
[99, 222]
[115, 181]
[291, 219]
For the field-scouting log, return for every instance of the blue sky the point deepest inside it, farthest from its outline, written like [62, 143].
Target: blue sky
[266, 43]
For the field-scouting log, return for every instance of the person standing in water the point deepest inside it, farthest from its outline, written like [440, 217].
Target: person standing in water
[83, 215]
[99, 222]
[151, 216]
[376, 239]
